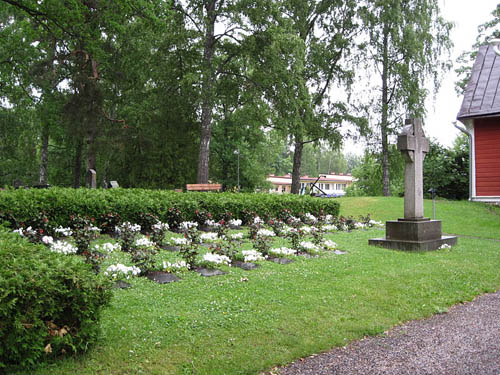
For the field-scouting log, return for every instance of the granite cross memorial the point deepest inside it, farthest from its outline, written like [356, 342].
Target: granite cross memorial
[414, 231]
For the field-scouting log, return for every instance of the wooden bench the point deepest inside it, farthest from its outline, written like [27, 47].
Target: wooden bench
[203, 187]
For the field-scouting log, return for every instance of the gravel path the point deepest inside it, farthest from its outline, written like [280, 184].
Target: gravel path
[464, 341]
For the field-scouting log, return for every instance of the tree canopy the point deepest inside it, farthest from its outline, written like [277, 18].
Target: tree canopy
[158, 94]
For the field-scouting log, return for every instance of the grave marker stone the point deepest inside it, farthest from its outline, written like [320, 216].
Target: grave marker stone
[162, 277]
[414, 231]
[208, 272]
[91, 179]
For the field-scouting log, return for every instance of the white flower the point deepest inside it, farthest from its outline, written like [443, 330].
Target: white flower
[63, 247]
[237, 236]
[128, 226]
[208, 237]
[47, 240]
[375, 223]
[252, 255]
[330, 227]
[159, 226]
[311, 218]
[328, 244]
[359, 225]
[185, 225]
[65, 232]
[108, 247]
[265, 233]
[212, 223]
[95, 229]
[28, 231]
[235, 222]
[117, 270]
[309, 247]
[444, 246]
[179, 240]
[143, 241]
[282, 251]
[329, 219]
[180, 264]
[306, 229]
[216, 258]
[257, 220]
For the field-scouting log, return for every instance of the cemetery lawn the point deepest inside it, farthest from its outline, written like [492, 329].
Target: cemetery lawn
[246, 322]
[462, 217]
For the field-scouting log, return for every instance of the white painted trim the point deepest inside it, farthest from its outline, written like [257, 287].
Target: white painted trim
[486, 199]
[473, 156]
[469, 125]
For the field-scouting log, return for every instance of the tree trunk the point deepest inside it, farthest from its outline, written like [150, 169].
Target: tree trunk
[77, 165]
[44, 155]
[385, 109]
[207, 94]
[297, 162]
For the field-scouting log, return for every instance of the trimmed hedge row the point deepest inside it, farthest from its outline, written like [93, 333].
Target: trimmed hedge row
[50, 303]
[58, 204]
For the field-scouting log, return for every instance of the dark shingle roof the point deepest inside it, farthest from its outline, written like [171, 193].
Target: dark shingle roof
[482, 94]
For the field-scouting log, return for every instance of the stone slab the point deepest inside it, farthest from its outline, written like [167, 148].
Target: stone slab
[247, 266]
[206, 228]
[171, 248]
[207, 272]
[409, 230]
[120, 284]
[413, 245]
[281, 260]
[162, 277]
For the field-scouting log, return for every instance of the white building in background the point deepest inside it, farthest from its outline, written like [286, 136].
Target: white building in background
[330, 184]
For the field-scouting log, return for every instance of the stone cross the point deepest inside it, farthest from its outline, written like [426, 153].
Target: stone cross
[413, 145]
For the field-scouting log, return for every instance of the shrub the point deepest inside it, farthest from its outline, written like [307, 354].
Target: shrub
[201, 217]
[146, 221]
[50, 303]
[169, 206]
[108, 221]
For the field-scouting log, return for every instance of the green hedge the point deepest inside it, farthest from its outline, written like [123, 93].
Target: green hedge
[50, 303]
[60, 203]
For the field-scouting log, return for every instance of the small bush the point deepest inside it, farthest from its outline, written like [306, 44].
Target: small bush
[50, 303]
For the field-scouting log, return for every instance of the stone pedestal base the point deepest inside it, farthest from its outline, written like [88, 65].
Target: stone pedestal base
[413, 235]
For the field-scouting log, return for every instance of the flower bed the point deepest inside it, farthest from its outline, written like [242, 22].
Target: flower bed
[131, 253]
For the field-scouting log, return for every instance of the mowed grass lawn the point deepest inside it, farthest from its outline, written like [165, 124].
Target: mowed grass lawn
[246, 322]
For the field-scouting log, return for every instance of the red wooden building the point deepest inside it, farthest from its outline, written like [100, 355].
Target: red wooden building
[480, 113]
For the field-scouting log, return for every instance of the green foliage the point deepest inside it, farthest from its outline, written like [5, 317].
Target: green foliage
[50, 303]
[368, 174]
[59, 204]
[465, 61]
[406, 48]
[322, 160]
[447, 170]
